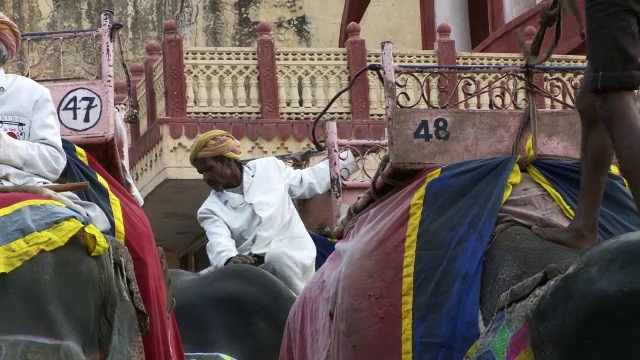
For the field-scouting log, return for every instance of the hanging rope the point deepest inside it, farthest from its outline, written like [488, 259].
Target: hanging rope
[132, 112]
[317, 143]
[551, 15]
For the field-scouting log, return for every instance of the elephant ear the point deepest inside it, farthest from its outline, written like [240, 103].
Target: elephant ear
[525, 288]
[168, 284]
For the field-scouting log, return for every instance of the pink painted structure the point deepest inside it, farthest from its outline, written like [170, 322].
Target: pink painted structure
[479, 132]
[445, 133]
[86, 107]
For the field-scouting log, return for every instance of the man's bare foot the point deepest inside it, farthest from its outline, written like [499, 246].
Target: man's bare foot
[569, 236]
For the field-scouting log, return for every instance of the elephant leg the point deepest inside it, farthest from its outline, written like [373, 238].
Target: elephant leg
[516, 254]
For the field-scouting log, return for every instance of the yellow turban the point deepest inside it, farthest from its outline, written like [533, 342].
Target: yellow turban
[9, 35]
[215, 143]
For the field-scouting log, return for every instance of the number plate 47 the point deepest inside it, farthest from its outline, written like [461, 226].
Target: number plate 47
[440, 130]
[80, 109]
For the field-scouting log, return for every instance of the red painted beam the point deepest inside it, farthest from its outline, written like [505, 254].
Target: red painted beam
[505, 39]
[428, 23]
[353, 12]
[496, 14]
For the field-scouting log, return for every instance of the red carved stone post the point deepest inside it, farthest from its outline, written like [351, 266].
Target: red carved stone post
[137, 75]
[267, 73]
[357, 58]
[153, 55]
[446, 52]
[175, 84]
[538, 78]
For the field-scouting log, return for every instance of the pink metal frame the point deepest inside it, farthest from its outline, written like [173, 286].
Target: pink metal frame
[333, 143]
[103, 131]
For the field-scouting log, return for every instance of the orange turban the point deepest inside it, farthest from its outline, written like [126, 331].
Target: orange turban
[215, 143]
[9, 35]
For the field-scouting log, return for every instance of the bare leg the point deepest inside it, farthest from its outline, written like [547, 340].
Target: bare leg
[596, 156]
[619, 113]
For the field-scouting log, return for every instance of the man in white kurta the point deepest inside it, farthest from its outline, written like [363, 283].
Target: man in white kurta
[253, 216]
[31, 150]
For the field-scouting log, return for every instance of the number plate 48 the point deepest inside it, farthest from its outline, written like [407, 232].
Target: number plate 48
[440, 128]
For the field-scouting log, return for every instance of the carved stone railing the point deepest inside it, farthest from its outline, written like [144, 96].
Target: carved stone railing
[158, 84]
[283, 84]
[308, 78]
[222, 81]
[268, 92]
[142, 105]
[158, 87]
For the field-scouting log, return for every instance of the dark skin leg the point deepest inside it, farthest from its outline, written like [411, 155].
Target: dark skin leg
[620, 116]
[596, 156]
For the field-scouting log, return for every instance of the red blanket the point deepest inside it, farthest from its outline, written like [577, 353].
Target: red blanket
[164, 341]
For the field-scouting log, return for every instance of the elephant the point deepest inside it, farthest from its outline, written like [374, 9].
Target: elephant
[66, 304]
[560, 303]
[236, 310]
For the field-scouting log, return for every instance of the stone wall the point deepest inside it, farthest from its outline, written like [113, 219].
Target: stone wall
[223, 23]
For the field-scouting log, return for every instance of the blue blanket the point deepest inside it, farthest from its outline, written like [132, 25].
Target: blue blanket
[449, 233]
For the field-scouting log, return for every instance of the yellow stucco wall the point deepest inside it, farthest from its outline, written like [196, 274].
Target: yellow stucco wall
[297, 23]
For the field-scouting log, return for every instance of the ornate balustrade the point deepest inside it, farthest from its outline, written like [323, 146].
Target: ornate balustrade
[268, 83]
[268, 96]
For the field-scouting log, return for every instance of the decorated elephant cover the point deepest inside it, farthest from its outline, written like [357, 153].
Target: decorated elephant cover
[405, 281]
[130, 225]
[32, 223]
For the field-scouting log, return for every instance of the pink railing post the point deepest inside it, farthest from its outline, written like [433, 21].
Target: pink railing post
[137, 75]
[538, 78]
[175, 83]
[446, 52]
[267, 73]
[357, 59]
[334, 169]
[153, 55]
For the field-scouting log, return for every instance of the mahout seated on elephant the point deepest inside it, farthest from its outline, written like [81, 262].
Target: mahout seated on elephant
[33, 153]
[67, 290]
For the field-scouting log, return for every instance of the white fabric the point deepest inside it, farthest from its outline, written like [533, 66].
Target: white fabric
[530, 204]
[26, 109]
[96, 216]
[36, 157]
[123, 148]
[263, 219]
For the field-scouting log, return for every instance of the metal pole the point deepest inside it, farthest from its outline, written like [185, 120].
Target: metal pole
[107, 65]
[106, 45]
[362, 142]
[334, 169]
[389, 77]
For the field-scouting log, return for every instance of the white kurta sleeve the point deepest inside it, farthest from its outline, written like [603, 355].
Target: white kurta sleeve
[221, 246]
[315, 180]
[42, 154]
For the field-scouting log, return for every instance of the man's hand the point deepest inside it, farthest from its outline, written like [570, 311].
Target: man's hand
[240, 259]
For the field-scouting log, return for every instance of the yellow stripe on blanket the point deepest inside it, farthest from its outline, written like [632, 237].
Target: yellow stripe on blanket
[16, 252]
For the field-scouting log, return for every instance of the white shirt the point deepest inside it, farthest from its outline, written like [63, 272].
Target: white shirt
[261, 215]
[30, 145]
